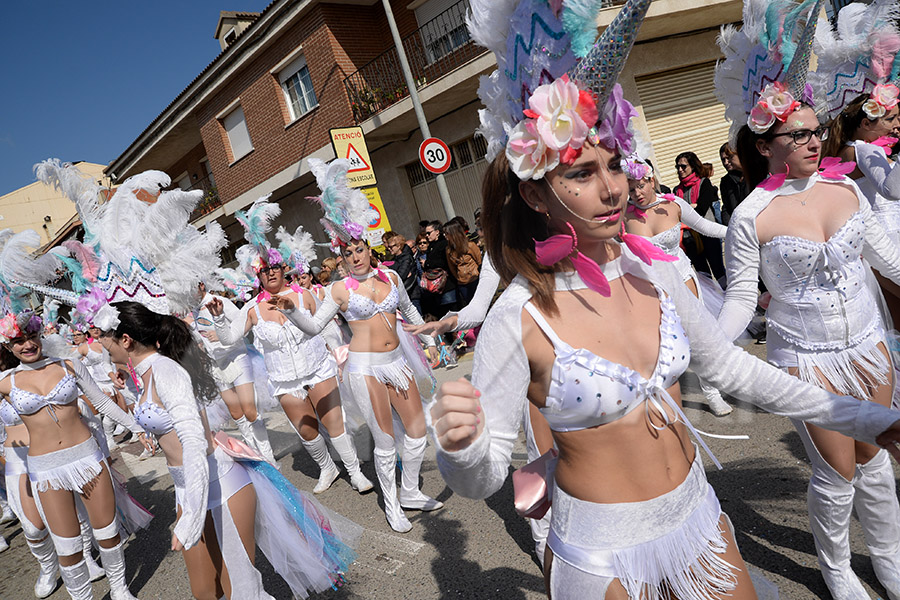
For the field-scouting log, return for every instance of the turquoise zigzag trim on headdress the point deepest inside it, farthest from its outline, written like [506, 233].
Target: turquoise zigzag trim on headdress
[122, 273]
[520, 41]
[862, 63]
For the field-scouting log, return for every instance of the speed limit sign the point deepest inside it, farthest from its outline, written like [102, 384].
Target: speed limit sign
[435, 155]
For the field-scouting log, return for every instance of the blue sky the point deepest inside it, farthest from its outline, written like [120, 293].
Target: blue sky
[82, 80]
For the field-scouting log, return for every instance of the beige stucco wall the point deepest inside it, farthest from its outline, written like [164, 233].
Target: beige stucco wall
[27, 207]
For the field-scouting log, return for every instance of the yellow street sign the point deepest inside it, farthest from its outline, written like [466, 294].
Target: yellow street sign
[379, 225]
[349, 143]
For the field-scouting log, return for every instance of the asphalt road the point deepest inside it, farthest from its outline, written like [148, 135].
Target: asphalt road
[481, 549]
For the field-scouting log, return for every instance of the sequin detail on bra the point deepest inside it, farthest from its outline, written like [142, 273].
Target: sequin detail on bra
[27, 403]
[587, 390]
[362, 308]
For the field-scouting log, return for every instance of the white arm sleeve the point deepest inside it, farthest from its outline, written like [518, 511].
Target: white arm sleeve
[881, 252]
[475, 312]
[313, 325]
[692, 219]
[732, 370]
[742, 268]
[876, 167]
[101, 401]
[408, 310]
[232, 330]
[501, 373]
[174, 390]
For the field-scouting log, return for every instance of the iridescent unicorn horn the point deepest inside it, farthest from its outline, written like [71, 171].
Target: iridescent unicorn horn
[600, 68]
[798, 70]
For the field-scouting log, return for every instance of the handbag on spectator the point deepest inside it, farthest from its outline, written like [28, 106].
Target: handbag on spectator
[433, 281]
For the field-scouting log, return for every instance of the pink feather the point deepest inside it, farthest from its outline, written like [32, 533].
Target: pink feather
[263, 296]
[773, 182]
[554, 249]
[90, 266]
[382, 276]
[832, 167]
[351, 284]
[645, 250]
[886, 141]
[883, 52]
[591, 273]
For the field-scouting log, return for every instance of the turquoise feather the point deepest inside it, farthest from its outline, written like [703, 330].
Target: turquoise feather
[579, 20]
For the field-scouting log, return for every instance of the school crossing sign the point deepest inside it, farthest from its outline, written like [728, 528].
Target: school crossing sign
[349, 143]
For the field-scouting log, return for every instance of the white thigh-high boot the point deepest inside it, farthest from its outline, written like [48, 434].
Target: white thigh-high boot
[879, 513]
[114, 563]
[243, 426]
[77, 580]
[318, 450]
[717, 404]
[830, 502]
[411, 497]
[386, 469]
[87, 542]
[8, 515]
[45, 554]
[345, 449]
[261, 439]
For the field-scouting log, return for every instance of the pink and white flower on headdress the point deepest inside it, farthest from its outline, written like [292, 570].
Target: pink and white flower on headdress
[558, 119]
[95, 307]
[13, 326]
[883, 98]
[775, 103]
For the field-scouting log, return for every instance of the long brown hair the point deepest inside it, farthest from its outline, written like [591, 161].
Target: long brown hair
[456, 238]
[510, 228]
[843, 126]
[756, 166]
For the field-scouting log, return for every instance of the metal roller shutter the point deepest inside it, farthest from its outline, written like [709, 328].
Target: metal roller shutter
[684, 115]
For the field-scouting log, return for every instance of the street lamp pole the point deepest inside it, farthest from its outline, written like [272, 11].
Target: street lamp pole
[417, 105]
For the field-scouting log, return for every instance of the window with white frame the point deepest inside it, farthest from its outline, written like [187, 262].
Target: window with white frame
[297, 86]
[238, 136]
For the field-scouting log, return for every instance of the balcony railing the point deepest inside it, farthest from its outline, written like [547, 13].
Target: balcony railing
[210, 201]
[433, 50]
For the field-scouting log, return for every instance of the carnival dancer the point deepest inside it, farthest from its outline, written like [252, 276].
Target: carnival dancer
[302, 371]
[234, 372]
[650, 527]
[856, 78]
[378, 371]
[223, 504]
[804, 229]
[45, 396]
[96, 359]
[660, 219]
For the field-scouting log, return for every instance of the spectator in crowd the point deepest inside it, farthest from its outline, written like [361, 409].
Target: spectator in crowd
[464, 261]
[479, 232]
[328, 266]
[696, 189]
[441, 297]
[404, 264]
[422, 226]
[732, 186]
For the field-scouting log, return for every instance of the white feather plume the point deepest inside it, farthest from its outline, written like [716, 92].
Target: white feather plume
[488, 22]
[21, 262]
[297, 248]
[79, 187]
[347, 210]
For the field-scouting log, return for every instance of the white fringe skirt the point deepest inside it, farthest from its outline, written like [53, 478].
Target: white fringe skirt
[669, 546]
[66, 469]
[390, 368]
[850, 370]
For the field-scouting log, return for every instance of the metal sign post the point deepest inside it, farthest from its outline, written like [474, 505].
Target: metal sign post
[417, 105]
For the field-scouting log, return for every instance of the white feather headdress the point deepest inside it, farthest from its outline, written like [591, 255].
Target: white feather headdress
[858, 54]
[773, 45]
[298, 249]
[347, 210]
[146, 248]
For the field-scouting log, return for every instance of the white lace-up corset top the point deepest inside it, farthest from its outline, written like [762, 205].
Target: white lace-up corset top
[819, 295]
[27, 403]
[587, 390]
[289, 353]
[8, 415]
[362, 308]
[669, 241]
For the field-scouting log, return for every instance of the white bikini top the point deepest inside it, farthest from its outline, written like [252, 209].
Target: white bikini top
[27, 403]
[148, 414]
[362, 308]
[587, 390]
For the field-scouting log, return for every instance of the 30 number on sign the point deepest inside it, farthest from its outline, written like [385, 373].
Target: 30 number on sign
[435, 155]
